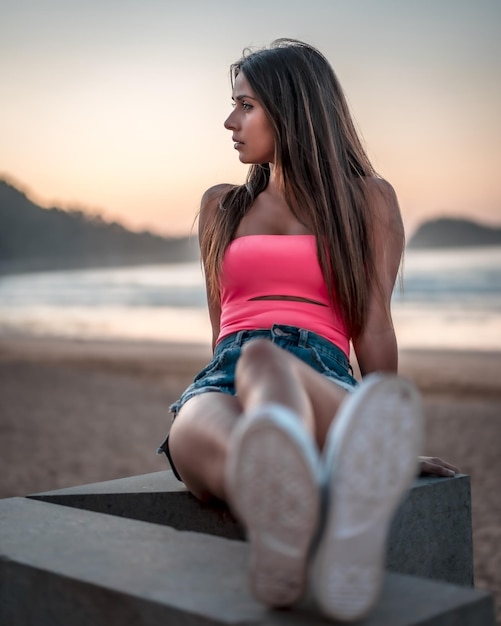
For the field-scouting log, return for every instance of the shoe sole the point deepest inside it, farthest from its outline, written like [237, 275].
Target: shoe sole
[371, 460]
[272, 479]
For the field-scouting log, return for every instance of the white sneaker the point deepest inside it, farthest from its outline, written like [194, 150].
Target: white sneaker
[273, 486]
[370, 460]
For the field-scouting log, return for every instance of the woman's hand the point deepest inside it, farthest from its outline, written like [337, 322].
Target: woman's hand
[434, 465]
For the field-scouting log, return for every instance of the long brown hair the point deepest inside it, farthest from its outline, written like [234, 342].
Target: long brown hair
[322, 167]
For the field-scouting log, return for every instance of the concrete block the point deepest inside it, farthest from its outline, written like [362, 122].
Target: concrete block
[61, 565]
[158, 497]
[430, 536]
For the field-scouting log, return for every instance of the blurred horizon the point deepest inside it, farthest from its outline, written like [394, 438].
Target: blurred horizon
[459, 296]
[76, 206]
[118, 110]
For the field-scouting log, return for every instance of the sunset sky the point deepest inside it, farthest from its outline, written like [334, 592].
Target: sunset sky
[117, 106]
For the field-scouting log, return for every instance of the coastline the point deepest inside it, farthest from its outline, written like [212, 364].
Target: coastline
[81, 411]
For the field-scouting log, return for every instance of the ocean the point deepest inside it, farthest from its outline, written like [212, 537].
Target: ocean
[451, 298]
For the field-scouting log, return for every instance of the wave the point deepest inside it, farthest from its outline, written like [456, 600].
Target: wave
[450, 298]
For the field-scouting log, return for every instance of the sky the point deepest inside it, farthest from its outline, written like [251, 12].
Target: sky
[117, 106]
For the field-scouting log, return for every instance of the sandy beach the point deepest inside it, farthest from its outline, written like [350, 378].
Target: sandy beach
[76, 412]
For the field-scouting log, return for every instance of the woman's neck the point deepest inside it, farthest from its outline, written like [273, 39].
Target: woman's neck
[275, 183]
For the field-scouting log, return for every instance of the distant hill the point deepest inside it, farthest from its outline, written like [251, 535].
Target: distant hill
[33, 238]
[449, 232]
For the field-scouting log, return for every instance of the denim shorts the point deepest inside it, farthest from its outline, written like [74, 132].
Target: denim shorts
[219, 375]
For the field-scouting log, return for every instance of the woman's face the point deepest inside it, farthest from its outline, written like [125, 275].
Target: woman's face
[251, 129]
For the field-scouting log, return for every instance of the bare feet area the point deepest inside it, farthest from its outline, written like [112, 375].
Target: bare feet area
[75, 412]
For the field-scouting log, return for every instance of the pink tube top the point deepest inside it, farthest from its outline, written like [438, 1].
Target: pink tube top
[271, 265]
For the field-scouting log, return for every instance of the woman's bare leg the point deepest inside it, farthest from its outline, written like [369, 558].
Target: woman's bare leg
[268, 374]
[273, 467]
[265, 373]
[198, 442]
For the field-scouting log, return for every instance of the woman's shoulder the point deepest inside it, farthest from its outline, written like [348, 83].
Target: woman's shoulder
[382, 200]
[213, 195]
[210, 202]
[379, 190]
[384, 209]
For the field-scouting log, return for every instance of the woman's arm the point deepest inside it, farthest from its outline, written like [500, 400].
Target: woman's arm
[208, 207]
[376, 346]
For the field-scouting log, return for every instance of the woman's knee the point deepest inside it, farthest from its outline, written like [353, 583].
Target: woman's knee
[256, 349]
[259, 355]
[261, 361]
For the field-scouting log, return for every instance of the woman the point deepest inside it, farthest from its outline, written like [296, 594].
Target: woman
[300, 261]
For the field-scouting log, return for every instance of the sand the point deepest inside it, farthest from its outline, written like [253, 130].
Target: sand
[76, 412]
